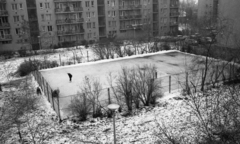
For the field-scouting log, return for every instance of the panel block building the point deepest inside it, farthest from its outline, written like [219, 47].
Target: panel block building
[58, 22]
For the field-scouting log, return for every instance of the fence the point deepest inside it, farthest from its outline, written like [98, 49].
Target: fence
[184, 80]
[52, 95]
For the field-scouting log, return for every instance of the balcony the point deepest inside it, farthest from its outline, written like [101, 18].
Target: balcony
[174, 5]
[155, 10]
[174, 14]
[4, 25]
[6, 37]
[129, 17]
[65, 0]
[173, 23]
[127, 27]
[155, 1]
[68, 10]
[100, 2]
[3, 1]
[3, 13]
[130, 7]
[102, 24]
[70, 32]
[69, 21]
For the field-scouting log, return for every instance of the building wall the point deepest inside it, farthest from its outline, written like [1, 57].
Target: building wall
[72, 21]
[229, 12]
[205, 8]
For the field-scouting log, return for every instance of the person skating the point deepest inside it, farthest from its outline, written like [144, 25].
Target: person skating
[70, 77]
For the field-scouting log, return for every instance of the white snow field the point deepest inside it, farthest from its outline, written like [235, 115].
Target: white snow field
[167, 63]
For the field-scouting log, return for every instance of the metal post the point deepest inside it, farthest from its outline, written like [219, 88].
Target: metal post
[60, 59]
[169, 84]
[156, 74]
[87, 57]
[109, 98]
[114, 130]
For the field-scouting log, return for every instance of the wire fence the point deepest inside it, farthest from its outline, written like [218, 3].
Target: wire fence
[188, 80]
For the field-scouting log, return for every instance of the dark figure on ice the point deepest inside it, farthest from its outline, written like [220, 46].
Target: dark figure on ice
[38, 91]
[70, 77]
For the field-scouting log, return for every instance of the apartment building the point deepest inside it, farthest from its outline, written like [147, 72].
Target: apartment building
[208, 9]
[58, 22]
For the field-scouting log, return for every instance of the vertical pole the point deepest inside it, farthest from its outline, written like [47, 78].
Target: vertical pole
[187, 82]
[169, 84]
[52, 95]
[114, 130]
[156, 74]
[60, 60]
[230, 71]
[58, 104]
[87, 57]
[109, 98]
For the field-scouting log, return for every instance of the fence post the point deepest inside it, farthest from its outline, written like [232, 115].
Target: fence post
[156, 74]
[87, 57]
[58, 104]
[109, 98]
[170, 84]
[60, 63]
[53, 95]
[187, 82]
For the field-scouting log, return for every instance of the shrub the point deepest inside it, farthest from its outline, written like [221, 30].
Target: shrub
[166, 47]
[7, 54]
[129, 52]
[31, 65]
[80, 106]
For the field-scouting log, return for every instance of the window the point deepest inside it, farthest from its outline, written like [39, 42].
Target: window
[47, 5]
[89, 25]
[108, 2]
[48, 17]
[20, 6]
[43, 28]
[16, 18]
[114, 23]
[110, 23]
[22, 17]
[93, 24]
[93, 14]
[87, 4]
[42, 16]
[109, 13]
[92, 2]
[89, 35]
[113, 13]
[14, 6]
[41, 5]
[49, 28]
[88, 14]
[18, 31]
[113, 3]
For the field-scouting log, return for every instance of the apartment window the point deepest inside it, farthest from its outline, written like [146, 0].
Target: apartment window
[22, 16]
[41, 5]
[89, 25]
[87, 4]
[114, 23]
[88, 14]
[108, 2]
[113, 3]
[92, 3]
[16, 18]
[14, 6]
[49, 28]
[18, 31]
[42, 16]
[43, 28]
[93, 14]
[47, 5]
[48, 17]
[94, 25]
[94, 34]
[121, 13]
[20, 6]
[89, 35]
[109, 13]
[113, 13]
[110, 23]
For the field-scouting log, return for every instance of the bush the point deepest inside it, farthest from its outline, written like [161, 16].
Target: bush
[80, 107]
[166, 47]
[31, 65]
[7, 54]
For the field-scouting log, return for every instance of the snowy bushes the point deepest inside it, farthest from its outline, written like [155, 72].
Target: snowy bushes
[80, 106]
[138, 86]
[31, 65]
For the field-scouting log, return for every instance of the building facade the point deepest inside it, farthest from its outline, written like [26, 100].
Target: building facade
[62, 22]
